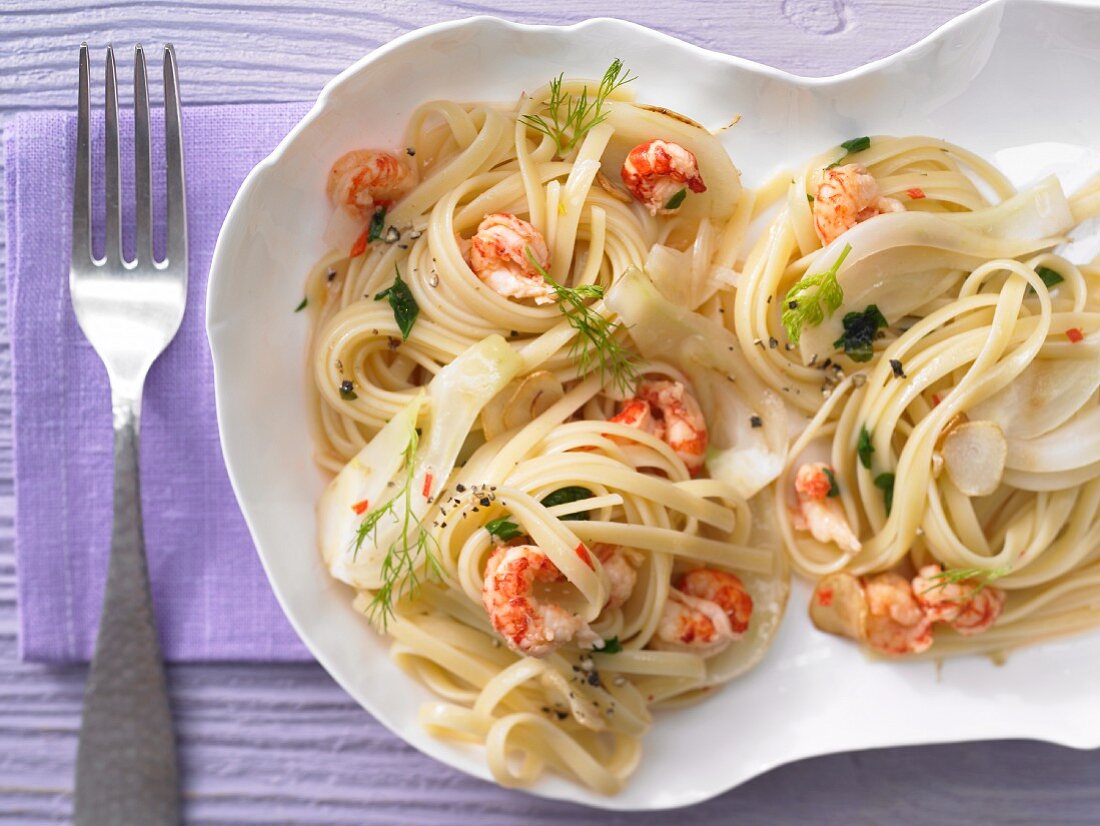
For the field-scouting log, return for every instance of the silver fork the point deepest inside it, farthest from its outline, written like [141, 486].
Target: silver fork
[129, 310]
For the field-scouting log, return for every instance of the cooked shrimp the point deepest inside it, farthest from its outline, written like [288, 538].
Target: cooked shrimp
[708, 611]
[638, 414]
[621, 575]
[692, 624]
[668, 411]
[529, 626]
[656, 171]
[726, 590]
[896, 623]
[967, 606]
[364, 179]
[816, 514]
[498, 256]
[846, 196]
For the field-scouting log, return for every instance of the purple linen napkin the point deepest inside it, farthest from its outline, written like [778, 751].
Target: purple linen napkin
[211, 596]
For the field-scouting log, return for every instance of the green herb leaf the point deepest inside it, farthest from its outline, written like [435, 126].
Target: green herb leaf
[954, 576]
[571, 117]
[1050, 277]
[563, 496]
[849, 146]
[834, 488]
[377, 224]
[809, 198]
[802, 308]
[677, 199]
[611, 646]
[405, 308]
[885, 483]
[412, 555]
[856, 144]
[860, 330]
[302, 306]
[595, 341]
[503, 529]
[864, 448]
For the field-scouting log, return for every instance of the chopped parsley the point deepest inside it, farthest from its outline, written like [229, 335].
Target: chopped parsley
[860, 330]
[503, 529]
[302, 306]
[885, 483]
[611, 646]
[1050, 277]
[563, 496]
[851, 146]
[377, 224]
[677, 199]
[856, 144]
[864, 448]
[834, 488]
[803, 308]
[405, 308]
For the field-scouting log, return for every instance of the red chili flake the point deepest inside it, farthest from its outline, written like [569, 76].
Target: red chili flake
[916, 193]
[427, 486]
[936, 399]
[359, 245]
[825, 597]
[582, 552]
[1075, 335]
[360, 507]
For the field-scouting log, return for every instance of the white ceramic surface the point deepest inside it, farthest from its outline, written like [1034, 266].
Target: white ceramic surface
[1001, 80]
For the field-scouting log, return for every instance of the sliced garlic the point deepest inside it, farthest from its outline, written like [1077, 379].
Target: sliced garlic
[974, 456]
[839, 606]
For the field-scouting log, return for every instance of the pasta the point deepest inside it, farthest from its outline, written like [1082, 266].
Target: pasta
[948, 392]
[541, 507]
[586, 401]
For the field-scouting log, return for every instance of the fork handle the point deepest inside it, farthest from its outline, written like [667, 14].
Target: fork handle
[126, 760]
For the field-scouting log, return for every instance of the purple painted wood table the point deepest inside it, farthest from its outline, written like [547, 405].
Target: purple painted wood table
[282, 744]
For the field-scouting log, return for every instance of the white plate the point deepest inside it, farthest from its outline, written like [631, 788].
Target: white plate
[1005, 76]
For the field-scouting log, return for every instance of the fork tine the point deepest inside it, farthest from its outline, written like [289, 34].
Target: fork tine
[142, 171]
[82, 184]
[173, 140]
[113, 245]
